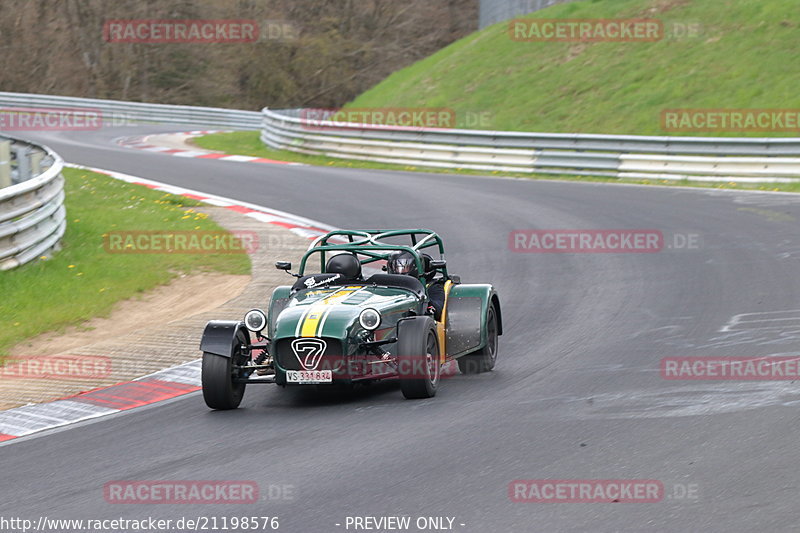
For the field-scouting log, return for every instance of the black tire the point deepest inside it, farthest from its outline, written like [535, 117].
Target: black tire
[219, 390]
[419, 367]
[484, 359]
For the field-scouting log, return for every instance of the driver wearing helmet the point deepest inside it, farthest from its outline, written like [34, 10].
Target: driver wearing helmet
[346, 265]
[405, 263]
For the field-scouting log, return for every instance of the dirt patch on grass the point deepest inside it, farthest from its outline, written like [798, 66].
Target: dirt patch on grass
[182, 298]
[160, 329]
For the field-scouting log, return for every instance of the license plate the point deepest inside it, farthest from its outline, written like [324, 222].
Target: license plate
[309, 376]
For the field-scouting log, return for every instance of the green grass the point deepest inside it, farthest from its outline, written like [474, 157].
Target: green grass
[249, 143]
[83, 280]
[745, 57]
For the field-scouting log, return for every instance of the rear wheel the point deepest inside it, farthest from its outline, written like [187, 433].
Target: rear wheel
[484, 359]
[219, 389]
[418, 363]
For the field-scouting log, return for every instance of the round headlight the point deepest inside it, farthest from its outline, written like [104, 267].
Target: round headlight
[255, 320]
[369, 319]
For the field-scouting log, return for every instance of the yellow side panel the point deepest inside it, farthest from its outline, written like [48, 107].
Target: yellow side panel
[440, 326]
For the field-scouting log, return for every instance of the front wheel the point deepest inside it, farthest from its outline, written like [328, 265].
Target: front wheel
[418, 360]
[219, 389]
[484, 359]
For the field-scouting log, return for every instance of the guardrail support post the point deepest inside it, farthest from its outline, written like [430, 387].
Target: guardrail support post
[23, 163]
[5, 164]
[36, 162]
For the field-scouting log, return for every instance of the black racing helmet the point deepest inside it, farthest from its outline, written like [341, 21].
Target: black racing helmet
[347, 265]
[402, 263]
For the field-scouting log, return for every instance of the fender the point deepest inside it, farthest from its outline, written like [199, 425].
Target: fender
[220, 337]
[467, 311]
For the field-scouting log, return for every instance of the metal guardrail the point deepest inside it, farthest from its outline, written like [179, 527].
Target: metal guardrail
[622, 156]
[116, 112]
[32, 213]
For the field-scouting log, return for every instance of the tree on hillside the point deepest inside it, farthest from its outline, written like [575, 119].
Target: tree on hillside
[339, 49]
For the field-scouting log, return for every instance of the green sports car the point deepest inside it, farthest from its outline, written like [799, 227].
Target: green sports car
[379, 306]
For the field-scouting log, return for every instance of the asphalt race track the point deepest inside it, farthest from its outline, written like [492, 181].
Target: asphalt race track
[577, 392]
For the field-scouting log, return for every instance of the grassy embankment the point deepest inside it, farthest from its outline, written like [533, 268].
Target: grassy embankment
[738, 55]
[84, 280]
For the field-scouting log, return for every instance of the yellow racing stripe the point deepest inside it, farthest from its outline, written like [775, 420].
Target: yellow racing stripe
[319, 310]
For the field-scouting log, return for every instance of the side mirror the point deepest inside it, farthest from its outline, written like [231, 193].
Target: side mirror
[438, 263]
[287, 266]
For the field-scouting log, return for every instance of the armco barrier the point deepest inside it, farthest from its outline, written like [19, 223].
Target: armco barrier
[32, 214]
[622, 156]
[115, 112]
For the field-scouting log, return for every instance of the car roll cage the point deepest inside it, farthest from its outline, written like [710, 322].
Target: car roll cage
[369, 243]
